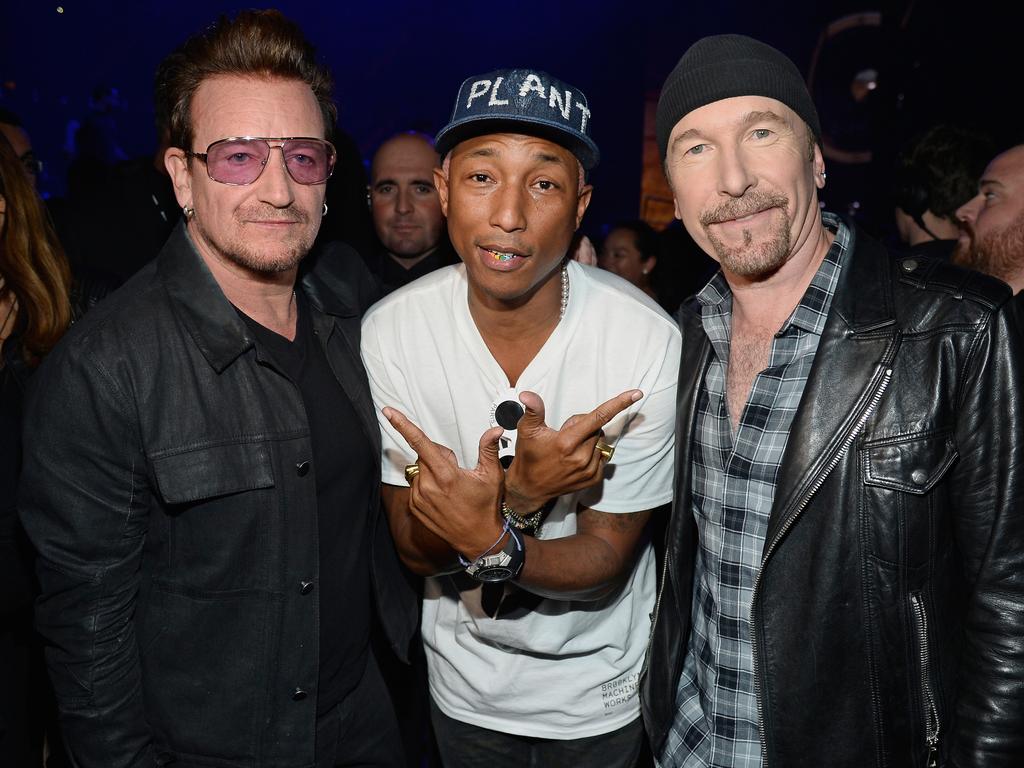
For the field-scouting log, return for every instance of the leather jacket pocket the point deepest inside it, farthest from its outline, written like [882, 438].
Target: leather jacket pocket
[186, 476]
[911, 464]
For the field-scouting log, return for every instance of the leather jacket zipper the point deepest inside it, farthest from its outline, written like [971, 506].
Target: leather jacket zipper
[654, 617]
[880, 383]
[931, 713]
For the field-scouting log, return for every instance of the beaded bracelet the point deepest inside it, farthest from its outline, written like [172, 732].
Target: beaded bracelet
[525, 524]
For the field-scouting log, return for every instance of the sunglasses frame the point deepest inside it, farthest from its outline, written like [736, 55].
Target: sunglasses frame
[273, 142]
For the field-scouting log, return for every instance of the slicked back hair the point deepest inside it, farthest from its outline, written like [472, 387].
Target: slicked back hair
[262, 44]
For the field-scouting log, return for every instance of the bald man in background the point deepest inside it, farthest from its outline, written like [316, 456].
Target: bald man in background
[406, 212]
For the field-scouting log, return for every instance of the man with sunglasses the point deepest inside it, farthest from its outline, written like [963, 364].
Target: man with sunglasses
[202, 473]
[541, 581]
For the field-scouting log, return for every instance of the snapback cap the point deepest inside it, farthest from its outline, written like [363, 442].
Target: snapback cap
[521, 101]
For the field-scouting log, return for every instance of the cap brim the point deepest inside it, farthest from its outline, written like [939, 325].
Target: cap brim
[583, 147]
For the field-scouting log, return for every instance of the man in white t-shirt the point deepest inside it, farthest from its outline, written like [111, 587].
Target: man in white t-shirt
[541, 574]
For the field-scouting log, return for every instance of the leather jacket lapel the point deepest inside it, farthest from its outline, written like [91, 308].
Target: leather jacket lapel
[857, 346]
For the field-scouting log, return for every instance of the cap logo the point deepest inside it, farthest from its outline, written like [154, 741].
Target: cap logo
[506, 98]
[556, 99]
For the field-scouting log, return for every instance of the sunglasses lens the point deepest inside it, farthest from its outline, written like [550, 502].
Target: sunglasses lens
[309, 162]
[239, 161]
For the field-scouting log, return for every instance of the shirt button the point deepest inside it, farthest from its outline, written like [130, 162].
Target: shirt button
[919, 476]
[302, 468]
[298, 694]
[305, 587]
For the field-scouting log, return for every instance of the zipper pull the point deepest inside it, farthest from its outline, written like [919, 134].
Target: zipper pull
[933, 757]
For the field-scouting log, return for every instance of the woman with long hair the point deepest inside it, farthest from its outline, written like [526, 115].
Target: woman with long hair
[35, 310]
[35, 281]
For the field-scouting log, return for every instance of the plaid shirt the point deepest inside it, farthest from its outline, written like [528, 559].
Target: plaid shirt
[733, 486]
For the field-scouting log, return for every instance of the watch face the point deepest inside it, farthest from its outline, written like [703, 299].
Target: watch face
[494, 573]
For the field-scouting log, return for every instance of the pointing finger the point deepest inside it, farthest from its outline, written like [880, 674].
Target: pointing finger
[590, 423]
[421, 445]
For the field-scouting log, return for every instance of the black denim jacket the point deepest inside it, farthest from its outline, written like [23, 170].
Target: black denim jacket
[175, 531]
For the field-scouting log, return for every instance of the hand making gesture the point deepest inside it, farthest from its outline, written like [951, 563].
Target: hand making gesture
[551, 462]
[460, 506]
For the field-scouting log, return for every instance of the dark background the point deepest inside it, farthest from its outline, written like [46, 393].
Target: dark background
[397, 65]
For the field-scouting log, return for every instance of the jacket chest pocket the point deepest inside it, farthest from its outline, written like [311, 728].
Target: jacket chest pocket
[221, 510]
[911, 465]
[186, 477]
[900, 476]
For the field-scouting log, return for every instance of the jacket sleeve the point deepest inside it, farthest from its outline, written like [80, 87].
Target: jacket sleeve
[84, 504]
[988, 508]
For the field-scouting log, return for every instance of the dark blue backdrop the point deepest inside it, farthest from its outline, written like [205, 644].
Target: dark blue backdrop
[398, 64]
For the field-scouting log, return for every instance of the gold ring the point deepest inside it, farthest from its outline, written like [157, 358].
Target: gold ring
[604, 449]
[411, 470]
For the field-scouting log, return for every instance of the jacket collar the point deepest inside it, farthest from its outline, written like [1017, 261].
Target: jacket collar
[211, 321]
[864, 299]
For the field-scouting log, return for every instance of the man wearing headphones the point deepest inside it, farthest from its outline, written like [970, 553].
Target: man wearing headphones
[936, 174]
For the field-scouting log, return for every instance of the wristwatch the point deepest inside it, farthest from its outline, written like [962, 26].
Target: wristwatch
[502, 565]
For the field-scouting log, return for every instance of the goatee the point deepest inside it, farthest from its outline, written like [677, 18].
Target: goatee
[752, 260]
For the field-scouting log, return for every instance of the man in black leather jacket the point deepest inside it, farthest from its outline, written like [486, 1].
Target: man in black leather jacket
[201, 475]
[844, 575]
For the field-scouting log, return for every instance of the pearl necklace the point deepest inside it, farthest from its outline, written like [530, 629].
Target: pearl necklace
[565, 291]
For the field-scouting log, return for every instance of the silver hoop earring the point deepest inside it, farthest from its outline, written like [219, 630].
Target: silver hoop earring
[189, 211]
[325, 211]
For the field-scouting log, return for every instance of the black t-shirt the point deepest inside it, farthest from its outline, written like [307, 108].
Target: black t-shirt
[343, 467]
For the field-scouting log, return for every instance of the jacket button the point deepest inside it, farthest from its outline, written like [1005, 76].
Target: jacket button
[909, 265]
[305, 587]
[302, 468]
[298, 694]
[919, 476]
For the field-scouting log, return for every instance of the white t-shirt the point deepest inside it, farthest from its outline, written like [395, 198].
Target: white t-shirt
[565, 669]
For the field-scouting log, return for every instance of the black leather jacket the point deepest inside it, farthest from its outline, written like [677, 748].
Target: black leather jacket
[889, 613]
[176, 529]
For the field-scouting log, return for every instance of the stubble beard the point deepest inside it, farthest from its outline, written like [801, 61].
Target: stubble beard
[999, 254]
[282, 258]
[751, 260]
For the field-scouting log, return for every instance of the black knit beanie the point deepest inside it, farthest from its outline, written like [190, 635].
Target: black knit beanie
[723, 66]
